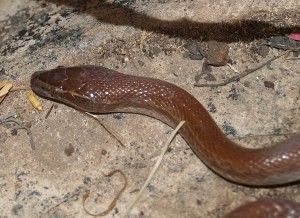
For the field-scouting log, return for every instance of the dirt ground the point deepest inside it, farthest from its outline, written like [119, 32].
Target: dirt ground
[146, 38]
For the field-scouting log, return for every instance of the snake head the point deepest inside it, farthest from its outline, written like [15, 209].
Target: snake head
[49, 83]
[73, 86]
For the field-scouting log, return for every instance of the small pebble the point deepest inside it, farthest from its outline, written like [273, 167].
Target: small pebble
[69, 150]
[263, 50]
[194, 51]
[247, 84]
[87, 180]
[14, 132]
[217, 53]
[141, 63]
[103, 152]
[269, 84]
[155, 50]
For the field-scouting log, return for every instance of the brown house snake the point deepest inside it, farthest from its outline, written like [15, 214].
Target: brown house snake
[100, 90]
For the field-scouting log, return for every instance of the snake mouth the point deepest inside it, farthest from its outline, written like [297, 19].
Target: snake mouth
[38, 86]
[41, 86]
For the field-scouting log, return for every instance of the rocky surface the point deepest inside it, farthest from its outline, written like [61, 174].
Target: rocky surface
[144, 38]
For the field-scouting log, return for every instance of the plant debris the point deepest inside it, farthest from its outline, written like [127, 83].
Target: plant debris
[10, 121]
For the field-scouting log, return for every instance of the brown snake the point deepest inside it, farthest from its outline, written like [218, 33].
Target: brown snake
[100, 90]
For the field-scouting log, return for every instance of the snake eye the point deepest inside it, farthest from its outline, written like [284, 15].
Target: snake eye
[52, 91]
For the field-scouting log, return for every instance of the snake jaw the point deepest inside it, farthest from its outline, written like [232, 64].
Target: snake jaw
[75, 94]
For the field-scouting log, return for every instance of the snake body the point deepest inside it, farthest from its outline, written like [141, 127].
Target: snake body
[101, 90]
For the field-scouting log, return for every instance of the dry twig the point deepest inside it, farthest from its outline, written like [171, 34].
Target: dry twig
[243, 74]
[113, 203]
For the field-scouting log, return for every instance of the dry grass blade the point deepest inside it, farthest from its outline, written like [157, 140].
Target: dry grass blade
[153, 171]
[110, 130]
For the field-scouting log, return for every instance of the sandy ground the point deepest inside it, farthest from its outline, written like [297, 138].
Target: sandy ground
[144, 38]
